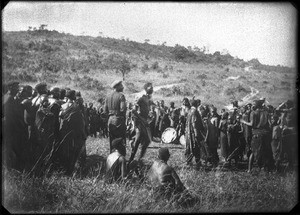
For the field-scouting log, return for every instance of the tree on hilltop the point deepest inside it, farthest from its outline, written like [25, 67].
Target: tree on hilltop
[42, 27]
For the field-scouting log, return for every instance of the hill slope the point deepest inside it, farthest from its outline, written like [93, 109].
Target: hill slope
[89, 64]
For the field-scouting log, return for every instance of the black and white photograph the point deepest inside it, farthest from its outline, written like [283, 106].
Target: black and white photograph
[149, 107]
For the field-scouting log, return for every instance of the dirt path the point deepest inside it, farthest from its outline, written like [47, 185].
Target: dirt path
[246, 99]
[156, 88]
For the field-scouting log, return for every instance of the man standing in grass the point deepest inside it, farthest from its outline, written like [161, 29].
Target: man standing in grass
[142, 129]
[261, 137]
[194, 134]
[115, 108]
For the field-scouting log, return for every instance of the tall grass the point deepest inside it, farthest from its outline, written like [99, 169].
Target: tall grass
[216, 191]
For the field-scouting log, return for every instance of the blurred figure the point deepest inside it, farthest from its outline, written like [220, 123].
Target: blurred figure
[151, 121]
[14, 128]
[223, 126]
[276, 141]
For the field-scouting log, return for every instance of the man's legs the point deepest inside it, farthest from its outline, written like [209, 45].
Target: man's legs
[135, 143]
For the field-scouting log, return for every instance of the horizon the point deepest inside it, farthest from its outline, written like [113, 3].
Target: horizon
[272, 26]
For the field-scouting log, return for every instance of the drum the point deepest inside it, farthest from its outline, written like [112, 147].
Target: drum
[169, 135]
[182, 140]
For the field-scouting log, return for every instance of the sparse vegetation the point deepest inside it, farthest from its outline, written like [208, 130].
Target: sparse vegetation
[27, 55]
[217, 191]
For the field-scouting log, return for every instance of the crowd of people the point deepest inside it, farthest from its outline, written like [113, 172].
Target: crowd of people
[47, 130]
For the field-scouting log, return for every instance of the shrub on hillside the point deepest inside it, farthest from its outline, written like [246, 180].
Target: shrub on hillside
[20, 75]
[165, 75]
[86, 70]
[131, 87]
[155, 65]
[118, 63]
[238, 89]
[88, 83]
[145, 68]
[160, 70]
[202, 76]
[285, 83]
[180, 53]
[49, 77]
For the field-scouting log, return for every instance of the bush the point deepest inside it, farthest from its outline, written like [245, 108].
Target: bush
[49, 77]
[202, 76]
[155, 65]
[160, 70]
[165, 75]
[88, 83]
[145, 68]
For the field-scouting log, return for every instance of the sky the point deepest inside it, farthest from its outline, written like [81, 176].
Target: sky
[265, 31]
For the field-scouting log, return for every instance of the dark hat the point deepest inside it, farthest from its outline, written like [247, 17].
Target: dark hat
[70, 94]
[147, 85]
[194, 103]
[13, 85]
[78, 94]
[258, 102]
[79, 100]
[163, 153]
[40, 86]
[116, 143]
[186, 101]
[27, 87]
[225, 115]
[116, 83]
[54, 90]
[214, 109]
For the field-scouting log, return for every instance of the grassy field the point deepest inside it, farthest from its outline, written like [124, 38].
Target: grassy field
[219, 190]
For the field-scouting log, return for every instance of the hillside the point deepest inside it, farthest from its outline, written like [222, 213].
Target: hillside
[89, 64]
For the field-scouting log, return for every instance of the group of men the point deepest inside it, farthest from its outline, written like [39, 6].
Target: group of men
[162, 176]
[254, 132]
[43, 129]
[47, 129]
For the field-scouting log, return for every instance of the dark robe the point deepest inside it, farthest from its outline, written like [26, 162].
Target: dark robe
[72, 137]
[193, 135]
[15, 133]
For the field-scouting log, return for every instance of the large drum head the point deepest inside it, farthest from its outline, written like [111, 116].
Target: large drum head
[182, 140]
[169, 135]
